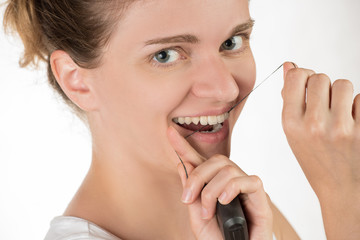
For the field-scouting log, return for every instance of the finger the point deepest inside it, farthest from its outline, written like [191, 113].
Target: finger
[287, 66]
[318, 94]
[256, 206]
[203, 174]
[342, 99]
[188, 195]
[212, 191]
[182, 172]
[293, 92]
[242, 184]
[199, 224]
[356, 108]
[194, 209]
[253, 197]
[185, 151]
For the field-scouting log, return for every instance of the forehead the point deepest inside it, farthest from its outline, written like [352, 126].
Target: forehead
[158, 18]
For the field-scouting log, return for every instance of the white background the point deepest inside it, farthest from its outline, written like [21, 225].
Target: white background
[45, 151]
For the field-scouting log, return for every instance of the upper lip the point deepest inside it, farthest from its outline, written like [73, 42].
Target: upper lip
[212, 112]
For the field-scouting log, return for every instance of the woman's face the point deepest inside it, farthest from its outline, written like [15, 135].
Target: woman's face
[169, 60]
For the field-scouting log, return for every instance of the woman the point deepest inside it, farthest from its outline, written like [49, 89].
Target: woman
[134, 71]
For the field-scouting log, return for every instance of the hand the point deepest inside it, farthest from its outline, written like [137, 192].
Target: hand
[322, 125]
[225, 181]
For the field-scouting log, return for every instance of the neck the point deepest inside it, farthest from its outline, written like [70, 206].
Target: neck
[132, 188]
[132, 198]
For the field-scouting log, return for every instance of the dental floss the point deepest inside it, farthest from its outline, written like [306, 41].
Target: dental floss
[231, 110]
[243, 97]
[230, 217]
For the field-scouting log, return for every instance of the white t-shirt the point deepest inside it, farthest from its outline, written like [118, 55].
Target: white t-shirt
[73, 228]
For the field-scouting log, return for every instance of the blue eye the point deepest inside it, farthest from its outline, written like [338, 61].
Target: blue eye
[232, 43]
[166, 56]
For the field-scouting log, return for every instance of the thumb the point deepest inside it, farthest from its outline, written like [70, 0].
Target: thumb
[287, 66]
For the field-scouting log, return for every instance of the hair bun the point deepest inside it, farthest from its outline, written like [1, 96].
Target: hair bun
[81, 28]
[20, 16]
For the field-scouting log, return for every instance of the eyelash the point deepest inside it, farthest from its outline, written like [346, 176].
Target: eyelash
[166, 65]
[245, 36]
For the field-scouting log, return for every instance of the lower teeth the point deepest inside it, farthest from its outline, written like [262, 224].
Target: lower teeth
[216, 128]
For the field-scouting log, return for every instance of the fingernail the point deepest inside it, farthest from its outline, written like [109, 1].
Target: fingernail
[295, 66]
[204, 213]
[187, 194]
[222, 197]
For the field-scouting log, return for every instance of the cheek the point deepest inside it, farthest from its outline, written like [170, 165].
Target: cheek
[244, 73]
[162, 91]
[138, 99]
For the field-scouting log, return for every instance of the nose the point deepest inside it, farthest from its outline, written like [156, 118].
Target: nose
[213, 80]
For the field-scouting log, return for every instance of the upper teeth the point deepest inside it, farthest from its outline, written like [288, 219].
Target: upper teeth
[204, 120]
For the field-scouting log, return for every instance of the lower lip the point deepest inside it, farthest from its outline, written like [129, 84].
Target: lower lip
[216, 137]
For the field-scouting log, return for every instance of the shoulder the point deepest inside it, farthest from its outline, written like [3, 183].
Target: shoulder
[281, 227]
[74, 228]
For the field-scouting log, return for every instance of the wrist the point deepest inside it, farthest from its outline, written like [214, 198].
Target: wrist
[341, 215]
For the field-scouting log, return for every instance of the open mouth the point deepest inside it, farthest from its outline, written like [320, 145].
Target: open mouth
[207, 124]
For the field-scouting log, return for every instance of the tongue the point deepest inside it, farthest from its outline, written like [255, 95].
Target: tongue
[194, 127]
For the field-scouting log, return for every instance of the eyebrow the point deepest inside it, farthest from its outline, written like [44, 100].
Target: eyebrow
[242, 27]
[188, 38]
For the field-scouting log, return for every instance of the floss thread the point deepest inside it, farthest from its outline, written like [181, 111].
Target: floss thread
[247, 95]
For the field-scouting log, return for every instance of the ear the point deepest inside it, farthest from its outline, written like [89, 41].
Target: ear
[73, 80]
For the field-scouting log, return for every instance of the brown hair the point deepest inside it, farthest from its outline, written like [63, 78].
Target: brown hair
[82, 28]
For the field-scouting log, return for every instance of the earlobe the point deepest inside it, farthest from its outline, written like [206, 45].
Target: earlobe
[72, 80]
